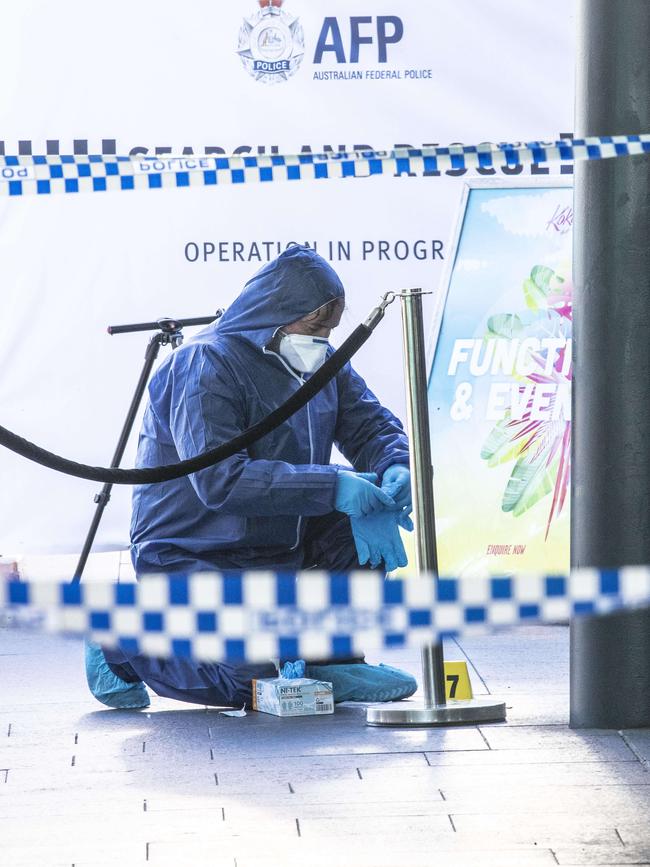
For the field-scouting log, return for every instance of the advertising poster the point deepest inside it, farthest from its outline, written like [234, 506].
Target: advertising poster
[500, 384]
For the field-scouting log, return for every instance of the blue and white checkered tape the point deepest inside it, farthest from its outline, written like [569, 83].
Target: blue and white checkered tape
[45, 175]
[261, 615]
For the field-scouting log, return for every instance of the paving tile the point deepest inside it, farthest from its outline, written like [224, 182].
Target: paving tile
[358, 850]
[610, 749]
[539, 708]
[371, 856]
[621, 808]
[81, 832]
[636, 833]
[219, 824]
[530, 737]
[400, 788]
[367, 808]
[639, 742]
[515, 775]
[552, 830]
[32, 806]
[593, 856]
[344, 765]
[335, 794]
[262, 735]
[249, 811]
[197, 852]
[25, 747]
[64, 777]
[71, 851]
[404, 826]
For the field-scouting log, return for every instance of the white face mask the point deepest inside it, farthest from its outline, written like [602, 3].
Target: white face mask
[304, 353]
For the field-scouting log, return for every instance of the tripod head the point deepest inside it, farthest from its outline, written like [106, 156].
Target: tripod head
[170, 330]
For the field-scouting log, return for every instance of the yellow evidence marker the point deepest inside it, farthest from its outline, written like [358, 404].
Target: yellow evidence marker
[457, 683]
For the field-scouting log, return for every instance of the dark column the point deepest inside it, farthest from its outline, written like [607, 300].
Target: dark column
[610, 656]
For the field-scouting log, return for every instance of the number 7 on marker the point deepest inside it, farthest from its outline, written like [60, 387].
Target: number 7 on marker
[453, 679]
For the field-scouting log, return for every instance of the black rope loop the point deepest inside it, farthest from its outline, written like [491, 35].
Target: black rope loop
[151, 475]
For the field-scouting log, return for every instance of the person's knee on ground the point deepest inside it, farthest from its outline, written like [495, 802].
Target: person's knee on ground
[215, 684]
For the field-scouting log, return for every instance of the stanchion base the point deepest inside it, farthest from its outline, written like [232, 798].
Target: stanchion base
[476, 710]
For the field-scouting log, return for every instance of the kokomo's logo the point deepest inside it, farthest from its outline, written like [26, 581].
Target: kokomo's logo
[271, 43]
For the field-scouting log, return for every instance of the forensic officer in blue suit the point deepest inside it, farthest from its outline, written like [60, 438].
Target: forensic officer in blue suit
[279, 505]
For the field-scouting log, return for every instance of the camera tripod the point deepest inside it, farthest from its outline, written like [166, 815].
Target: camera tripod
[168, 332]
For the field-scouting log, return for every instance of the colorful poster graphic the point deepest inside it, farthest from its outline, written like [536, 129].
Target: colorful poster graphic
[500, 386]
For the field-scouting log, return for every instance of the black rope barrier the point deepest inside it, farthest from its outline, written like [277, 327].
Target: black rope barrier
[151, 475]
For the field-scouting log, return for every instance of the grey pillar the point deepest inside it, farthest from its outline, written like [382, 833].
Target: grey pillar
[610, 525]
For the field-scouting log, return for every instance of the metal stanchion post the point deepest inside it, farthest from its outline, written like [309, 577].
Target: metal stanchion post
[435, 710]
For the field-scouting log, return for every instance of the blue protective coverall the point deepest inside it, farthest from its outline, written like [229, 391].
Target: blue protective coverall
[271, 506]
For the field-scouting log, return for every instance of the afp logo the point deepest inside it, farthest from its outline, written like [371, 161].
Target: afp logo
[377, 35]
[271, 43]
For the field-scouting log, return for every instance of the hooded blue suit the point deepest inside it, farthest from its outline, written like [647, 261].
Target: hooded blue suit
[252, 509]
[271, 506]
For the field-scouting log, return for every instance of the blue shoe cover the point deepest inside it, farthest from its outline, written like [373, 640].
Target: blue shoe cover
[107, 687]
[362, 682]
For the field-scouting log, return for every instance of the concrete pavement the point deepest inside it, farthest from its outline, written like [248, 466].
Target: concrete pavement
[86, 786]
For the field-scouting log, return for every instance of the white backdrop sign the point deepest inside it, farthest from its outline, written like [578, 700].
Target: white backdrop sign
[242, 77]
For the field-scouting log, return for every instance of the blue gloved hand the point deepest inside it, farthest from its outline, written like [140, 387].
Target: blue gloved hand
[396, 482]
[377, 538]
[357, 494]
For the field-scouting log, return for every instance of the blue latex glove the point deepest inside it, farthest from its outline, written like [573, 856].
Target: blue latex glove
[357, 494]
[293, 670]
[377, 538]
[396, 482]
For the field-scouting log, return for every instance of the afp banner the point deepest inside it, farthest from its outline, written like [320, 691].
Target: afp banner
[297, 76]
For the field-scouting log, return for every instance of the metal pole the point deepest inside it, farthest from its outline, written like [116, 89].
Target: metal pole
[435, 710]
[426, 556]
[610, 656]
[433, 662]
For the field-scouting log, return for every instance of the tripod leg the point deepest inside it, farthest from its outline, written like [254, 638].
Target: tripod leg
[153, 348]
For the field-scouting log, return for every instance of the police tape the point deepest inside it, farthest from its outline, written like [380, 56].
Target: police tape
[46, 175]
[261, 615]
